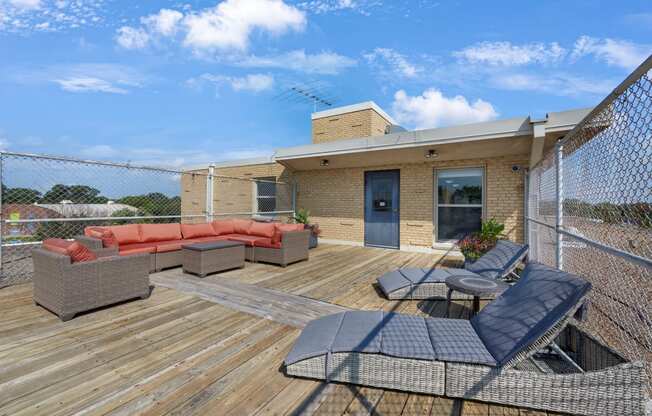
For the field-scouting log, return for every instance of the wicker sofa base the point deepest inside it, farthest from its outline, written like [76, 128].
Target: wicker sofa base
[618, 390]
[420, 376]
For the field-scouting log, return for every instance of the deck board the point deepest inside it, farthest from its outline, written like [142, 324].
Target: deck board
[209, 346]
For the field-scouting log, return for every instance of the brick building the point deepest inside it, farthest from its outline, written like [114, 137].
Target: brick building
[367, 181]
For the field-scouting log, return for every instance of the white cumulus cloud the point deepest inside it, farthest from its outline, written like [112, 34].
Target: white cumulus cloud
[560, 84]
[614, 52]
[326, 63]
[230, 24]
[89, 84]
[25, 16]
[388, 60]
[250, 82]
[508, 54]
[433, 109]
[132, 38]
[165, 22]
[226, 26]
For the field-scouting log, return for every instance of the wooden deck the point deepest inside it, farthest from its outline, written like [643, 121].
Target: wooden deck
[208, 346]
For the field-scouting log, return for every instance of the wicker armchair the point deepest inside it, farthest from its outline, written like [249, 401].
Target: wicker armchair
[294, 248]
[67, 288]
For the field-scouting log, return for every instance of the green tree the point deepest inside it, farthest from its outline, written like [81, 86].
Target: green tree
[77, 194]
[20, 195]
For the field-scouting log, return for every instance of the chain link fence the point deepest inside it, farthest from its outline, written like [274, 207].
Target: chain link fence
[590, 213]
[54, 197]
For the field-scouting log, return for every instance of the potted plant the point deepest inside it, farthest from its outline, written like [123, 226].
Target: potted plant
[475, 245]
[302, 216]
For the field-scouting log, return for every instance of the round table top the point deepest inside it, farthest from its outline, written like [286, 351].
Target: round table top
[476, 286]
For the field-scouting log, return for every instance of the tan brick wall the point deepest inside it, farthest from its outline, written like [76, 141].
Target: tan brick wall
[230, 194]
[356, 124]
[335, 198]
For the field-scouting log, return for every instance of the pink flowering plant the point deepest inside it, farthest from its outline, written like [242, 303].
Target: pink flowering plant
[475, 245]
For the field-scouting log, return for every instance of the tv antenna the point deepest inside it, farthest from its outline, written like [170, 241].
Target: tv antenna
[313, 92]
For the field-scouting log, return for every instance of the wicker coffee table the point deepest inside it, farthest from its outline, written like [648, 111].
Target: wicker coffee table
[474, 286]
[204, 258]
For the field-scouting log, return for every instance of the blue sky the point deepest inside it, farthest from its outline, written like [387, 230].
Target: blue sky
[180, 83]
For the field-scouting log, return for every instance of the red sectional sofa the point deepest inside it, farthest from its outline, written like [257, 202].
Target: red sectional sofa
[267, 242]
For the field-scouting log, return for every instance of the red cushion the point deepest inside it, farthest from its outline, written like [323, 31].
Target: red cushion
[241, 226]
[267, 243]
[102, 233]
[159, 232]
[167, 246]
[262, 229]
[248, 240]
[222, 227]
[147, 250]
[126, 234]
[151, 246]
[77, 252]
[206, 239]
[197, 230]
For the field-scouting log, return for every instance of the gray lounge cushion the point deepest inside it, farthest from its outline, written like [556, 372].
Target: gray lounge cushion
[391, 334]
[411, 276]
[500, 260]
[454, 340]
[523, 313]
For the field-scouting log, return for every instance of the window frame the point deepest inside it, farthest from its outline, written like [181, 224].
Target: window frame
[436, 204]
[257, 197]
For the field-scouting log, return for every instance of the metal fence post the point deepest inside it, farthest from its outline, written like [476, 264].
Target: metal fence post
[294, 197]
[559, 189]
[209, 193]
[526, 207]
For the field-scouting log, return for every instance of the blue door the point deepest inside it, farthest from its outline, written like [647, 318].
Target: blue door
[381, 209]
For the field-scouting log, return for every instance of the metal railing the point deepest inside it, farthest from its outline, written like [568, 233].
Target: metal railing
[589, 212]
[58, 197]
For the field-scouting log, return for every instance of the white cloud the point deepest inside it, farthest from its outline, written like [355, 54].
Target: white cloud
[24, 16]
[26, 4]
[89, 84]
[100, 151]
[328, 6]
[84, 77]
[327, 63]
[132, 38]
[250, 82]
[390, 61]
[614, 52]
[226, 26]
[557, 84]
[230, 24]
[507, 54]
[165, 22]
[433, 109]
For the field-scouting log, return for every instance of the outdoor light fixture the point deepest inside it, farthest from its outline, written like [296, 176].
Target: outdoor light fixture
[431, 154]
[323, 162]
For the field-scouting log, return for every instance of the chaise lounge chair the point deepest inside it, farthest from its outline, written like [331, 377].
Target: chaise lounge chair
[489, 358]
[426, 283]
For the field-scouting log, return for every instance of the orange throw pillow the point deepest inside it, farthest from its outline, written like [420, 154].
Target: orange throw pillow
[241, 226]
[262, 229]
[77, 252]
[197, 230]
[223, 227]
[160, 232]
[104, 234]
[284, 228]
[126, 234]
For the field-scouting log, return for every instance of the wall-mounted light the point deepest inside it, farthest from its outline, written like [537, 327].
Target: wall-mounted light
[323, 162]
[432, 154]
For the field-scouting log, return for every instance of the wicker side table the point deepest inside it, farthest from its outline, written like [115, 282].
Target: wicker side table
[204, 258]
[474, 286]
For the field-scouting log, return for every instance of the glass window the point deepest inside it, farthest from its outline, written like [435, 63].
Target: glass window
[266, 194]
[459, 202]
